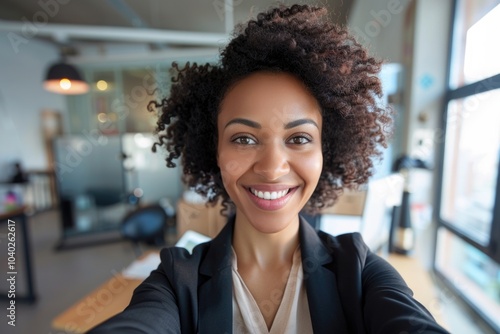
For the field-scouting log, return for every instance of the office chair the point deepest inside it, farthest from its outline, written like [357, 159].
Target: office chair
[145, 224]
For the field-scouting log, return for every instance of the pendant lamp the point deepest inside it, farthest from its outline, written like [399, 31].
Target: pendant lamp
[63, 78]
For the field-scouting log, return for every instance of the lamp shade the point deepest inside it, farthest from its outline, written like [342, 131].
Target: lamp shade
[64, 78]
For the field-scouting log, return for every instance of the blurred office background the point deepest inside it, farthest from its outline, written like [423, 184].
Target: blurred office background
[76, 161]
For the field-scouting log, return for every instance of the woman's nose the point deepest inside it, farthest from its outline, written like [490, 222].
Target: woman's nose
[272, 162]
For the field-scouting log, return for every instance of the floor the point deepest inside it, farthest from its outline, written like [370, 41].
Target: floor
[63, 277]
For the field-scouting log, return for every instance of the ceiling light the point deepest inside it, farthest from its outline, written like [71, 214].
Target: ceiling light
[102, 85]
[64, 78]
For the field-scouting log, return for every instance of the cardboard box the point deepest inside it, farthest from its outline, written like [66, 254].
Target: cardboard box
[199, 217]
[350, 203]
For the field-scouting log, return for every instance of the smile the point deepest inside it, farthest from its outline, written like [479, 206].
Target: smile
[269, 195]
[271, 199]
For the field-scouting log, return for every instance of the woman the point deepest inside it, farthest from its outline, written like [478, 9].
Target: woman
[284, 123]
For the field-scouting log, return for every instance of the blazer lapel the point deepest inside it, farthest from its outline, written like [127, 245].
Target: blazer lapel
[327, 315]
[215, 292]
[215, 303]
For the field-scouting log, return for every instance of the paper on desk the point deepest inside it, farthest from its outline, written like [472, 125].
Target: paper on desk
[141, 268]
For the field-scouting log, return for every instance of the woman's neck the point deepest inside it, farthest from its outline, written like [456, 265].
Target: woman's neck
[266, 250]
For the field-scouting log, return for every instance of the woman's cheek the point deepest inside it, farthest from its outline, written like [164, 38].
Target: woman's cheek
[312, 164]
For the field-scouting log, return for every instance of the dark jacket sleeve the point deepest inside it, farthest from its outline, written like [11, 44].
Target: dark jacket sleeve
[388, 303]
[153, 308]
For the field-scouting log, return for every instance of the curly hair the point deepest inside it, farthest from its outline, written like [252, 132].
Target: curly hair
[299, 40]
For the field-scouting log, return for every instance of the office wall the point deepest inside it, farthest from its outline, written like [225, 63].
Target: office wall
[379, 25]
[426, 84]
[414, 34]
[22, 99]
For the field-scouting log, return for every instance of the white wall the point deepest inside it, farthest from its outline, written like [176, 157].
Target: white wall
[22, 99]
[426, 79]
[378, 25]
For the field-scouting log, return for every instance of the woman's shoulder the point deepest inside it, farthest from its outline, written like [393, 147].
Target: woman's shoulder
[175, 256]
[350, 251]
[348, 242]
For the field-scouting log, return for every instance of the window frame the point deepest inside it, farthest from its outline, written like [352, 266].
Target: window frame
[492, 249]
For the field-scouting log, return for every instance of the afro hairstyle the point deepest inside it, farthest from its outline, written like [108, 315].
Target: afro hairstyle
[299, 40]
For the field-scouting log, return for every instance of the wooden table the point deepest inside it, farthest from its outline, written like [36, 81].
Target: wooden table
[101, 304]
[114, 295]
[420, 281]
[17, 219]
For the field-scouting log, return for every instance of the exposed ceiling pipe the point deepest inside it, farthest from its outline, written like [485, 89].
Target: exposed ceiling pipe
[127, 12]
[135, 20]
[228, 16]
[112, 34]
[157, 56]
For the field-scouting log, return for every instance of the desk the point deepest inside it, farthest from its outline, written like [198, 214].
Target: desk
[114, 295]
[419, 280]
[101, 304]
[18, 217]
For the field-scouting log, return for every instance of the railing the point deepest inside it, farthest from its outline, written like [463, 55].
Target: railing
[37, 194]
[41, 192]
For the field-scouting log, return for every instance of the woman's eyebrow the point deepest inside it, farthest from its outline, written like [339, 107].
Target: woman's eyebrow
[256, 125]
[244, 121]
[301, 121]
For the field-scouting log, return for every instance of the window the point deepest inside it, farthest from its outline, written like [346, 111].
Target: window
[468, 205]
[477, 276]
[471, 164]
[475, 49]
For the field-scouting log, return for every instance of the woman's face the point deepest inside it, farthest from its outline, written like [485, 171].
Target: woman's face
[269, 149]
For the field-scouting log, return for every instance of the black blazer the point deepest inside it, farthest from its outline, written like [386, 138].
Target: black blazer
[349, 289]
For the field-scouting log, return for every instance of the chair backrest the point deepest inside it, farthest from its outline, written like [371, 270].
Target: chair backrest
[373, 212]
[145, 224]
[383, 194]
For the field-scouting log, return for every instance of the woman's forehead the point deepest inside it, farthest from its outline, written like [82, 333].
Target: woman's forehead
[269, 95]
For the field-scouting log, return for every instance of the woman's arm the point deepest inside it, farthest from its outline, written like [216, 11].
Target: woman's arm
[388, 303]
[152, 309]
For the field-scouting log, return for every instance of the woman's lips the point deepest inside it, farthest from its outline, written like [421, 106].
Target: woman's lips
[271, 203]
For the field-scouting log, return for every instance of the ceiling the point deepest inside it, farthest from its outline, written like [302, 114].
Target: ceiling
[195, 16]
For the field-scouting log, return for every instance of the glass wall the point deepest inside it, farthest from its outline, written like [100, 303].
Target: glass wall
[105, 155]
[118, 99]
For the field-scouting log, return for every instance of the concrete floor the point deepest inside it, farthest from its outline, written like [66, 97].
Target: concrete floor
[64, 277]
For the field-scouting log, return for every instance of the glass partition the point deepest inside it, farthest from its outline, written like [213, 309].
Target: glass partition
[118, 99]
[90, 182]
[104, 89]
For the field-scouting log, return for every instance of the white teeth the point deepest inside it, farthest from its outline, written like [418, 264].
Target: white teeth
[269, 195]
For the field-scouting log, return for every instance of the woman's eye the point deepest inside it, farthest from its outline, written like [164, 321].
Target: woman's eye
[299, 140]
[244, 141]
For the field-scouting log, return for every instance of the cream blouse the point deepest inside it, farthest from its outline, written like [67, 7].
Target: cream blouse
[292, 315]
